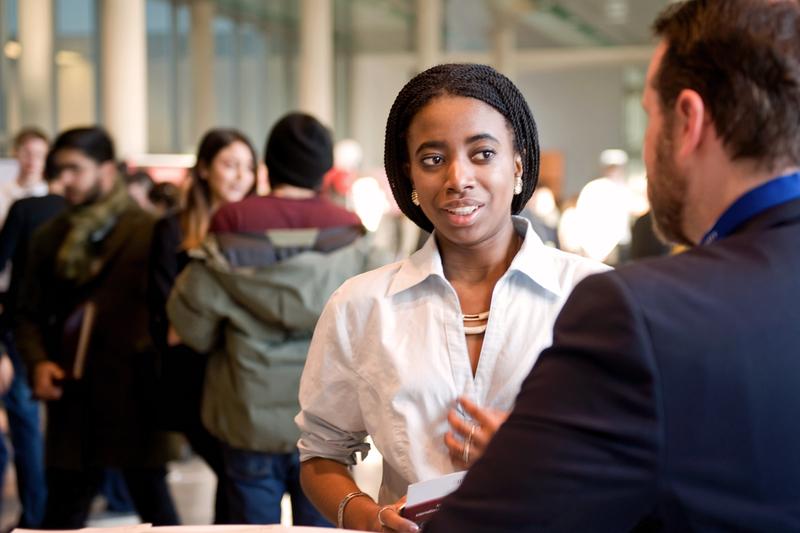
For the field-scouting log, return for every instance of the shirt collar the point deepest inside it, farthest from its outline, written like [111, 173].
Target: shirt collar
[422, 264]
[534, 260]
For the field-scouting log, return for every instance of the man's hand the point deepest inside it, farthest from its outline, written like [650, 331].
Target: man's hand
[46, 376]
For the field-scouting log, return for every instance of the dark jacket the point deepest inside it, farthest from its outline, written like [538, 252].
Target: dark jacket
[105, 418]
[180, 371]
[668, 401]
[24, 217]
[167, 260]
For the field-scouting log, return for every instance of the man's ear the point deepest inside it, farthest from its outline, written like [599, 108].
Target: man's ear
[692, 123]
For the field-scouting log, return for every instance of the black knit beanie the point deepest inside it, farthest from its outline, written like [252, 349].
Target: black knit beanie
[299, 152]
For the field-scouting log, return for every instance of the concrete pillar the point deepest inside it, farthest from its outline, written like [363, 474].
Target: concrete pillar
[202, 56]
[36, 63]
[429, 33]
[504, 39]
[316, 59]
[124, 74]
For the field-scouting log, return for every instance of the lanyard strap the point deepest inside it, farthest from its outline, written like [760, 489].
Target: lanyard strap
[775, 192]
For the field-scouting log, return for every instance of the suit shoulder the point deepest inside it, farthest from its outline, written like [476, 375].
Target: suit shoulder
[136, 220]
[694, 264]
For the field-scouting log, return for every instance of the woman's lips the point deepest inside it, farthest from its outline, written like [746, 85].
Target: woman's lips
[461, 213]
[466, 210]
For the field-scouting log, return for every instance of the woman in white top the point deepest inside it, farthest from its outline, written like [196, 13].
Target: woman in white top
[452, 330]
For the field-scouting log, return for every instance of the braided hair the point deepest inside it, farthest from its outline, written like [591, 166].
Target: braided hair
[458, 79]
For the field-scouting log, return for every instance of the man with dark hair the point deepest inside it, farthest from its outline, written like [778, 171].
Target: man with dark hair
[83, 264]
[252, 302]
[668, 401]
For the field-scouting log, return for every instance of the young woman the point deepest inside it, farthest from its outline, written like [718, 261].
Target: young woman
[428, 354]
[225, 172]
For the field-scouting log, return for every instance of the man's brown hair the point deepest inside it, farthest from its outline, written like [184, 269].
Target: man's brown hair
[743, 58]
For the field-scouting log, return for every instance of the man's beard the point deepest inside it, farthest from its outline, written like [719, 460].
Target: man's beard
[666, 190]
[92, 195]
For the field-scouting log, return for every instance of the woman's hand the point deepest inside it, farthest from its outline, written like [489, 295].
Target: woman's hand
[388, 519]
[473, 437]
[326, 483]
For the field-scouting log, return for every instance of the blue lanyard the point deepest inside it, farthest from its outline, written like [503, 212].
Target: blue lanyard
[778, 191]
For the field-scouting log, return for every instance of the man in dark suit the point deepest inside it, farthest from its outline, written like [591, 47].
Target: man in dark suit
[669, 399]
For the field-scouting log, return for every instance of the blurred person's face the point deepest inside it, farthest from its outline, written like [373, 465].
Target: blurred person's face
[31, 155]
[462, 163]
[56, 187]
[666, 185]
[230, 175]
[84, 180]
[139, 192]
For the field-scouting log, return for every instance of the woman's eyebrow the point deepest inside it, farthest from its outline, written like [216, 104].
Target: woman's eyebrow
[481, 137]
[430, 144]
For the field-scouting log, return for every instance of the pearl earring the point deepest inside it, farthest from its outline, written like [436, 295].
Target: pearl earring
[414, 197]
[517, 185]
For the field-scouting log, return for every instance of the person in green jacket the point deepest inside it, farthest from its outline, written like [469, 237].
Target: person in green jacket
[252, 298]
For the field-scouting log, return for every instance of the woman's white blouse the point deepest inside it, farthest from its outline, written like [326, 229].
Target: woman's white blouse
[389, 357]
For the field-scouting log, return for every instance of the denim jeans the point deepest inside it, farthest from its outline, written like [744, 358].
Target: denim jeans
[257, 482]
[26, 438]
[115, 491]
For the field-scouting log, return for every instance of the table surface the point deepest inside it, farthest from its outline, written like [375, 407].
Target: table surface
[147, 528]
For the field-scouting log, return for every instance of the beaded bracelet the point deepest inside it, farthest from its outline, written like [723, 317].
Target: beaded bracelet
[343, 504]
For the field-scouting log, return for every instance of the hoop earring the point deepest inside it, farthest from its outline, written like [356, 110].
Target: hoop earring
[517, 185]
[414, 197]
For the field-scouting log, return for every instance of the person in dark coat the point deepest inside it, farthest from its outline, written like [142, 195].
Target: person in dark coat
[23, 411]
[668, 401]
[24, 217]
[86, 284]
